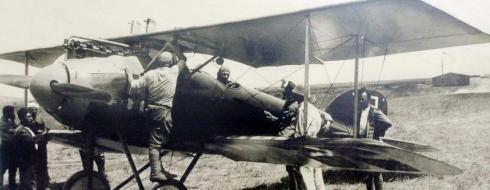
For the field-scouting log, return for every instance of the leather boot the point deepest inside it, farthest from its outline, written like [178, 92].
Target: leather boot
[156, 174]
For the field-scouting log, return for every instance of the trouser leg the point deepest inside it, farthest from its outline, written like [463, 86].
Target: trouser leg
[41, 167]
[99, 159]
[83, 157]
[12, 174]
[308, 177]
[293, 182]
[3, 171]
[319, 183]
[12, 171]
[378, 181]
[161, 122]
[26, 171]
[10, 164]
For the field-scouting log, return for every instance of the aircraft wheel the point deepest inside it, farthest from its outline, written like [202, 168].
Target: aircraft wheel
[171, 184]
[79, 181]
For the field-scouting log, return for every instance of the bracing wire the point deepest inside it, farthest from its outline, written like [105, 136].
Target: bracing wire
[338, 72]
[382, 67]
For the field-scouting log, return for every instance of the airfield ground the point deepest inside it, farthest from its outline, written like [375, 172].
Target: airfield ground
[458, 124]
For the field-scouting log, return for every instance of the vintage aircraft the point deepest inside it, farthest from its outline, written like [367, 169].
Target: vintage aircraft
[86, 88]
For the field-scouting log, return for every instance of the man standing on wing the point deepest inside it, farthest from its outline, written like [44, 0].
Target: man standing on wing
[159, 85]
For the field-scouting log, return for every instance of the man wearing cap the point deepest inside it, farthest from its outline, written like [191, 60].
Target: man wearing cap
[41, 132]
[223, 76]
[159, 85]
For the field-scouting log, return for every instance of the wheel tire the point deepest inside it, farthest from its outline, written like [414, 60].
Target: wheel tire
[171, 184]
[79, 181]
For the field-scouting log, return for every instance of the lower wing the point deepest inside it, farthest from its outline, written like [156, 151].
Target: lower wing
[364, 155]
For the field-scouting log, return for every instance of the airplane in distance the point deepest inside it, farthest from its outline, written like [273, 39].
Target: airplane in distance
[86, 89]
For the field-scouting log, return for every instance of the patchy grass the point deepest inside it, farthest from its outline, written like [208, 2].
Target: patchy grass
[458, 124]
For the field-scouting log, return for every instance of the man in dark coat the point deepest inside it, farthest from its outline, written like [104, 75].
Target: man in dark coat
[41, 163]
[25, 147]
[8, 156]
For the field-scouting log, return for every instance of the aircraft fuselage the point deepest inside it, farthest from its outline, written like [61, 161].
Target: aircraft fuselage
[203, 107]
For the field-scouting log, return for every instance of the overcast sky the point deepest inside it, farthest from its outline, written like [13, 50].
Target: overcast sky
[32, 24]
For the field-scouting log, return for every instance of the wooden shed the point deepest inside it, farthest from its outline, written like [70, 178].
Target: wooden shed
[451, 79]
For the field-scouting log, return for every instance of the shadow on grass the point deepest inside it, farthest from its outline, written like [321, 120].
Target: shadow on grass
[337, 177]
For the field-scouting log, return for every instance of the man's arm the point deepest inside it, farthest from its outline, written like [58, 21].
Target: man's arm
[381, 120]
[182, 58]
[136, 86]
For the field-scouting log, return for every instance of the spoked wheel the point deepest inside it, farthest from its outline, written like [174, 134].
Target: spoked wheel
[79, 181]
[171, 184]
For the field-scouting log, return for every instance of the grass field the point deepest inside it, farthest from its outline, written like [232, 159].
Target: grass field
[458, 124]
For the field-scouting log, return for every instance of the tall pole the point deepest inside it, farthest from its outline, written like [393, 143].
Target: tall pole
[355, 124]
[307, 72]
[26, 71]
[132, 26]
[147, 21]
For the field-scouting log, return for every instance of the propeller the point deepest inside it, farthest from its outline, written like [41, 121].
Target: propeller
[78, 91]
[411, 146]
[21, 81]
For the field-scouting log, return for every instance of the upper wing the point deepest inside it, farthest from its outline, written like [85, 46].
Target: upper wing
[334, 154]
[36, 57]
[388, 27]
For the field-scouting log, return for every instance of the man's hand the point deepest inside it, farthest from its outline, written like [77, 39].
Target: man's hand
[169, 46]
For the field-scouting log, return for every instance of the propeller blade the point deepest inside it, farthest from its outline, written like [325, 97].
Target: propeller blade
[407, 145]
[21, 81]
[77, 91]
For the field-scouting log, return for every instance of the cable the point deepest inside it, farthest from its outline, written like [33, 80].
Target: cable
[382, 67]
[338, 72]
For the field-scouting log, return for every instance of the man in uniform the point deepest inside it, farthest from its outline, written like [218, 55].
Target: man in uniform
[41, 132]
[373, 123]
[159, 84]
[25, 147]
[8, 156]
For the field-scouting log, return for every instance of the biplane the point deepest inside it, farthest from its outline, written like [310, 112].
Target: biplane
[83, 84]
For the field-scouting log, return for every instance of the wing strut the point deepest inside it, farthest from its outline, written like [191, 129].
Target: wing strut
[356, 89]
[307, 70]
[124, 145]
[191, 166]
[26, 72]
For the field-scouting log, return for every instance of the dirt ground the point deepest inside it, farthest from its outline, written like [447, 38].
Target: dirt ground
[458, 124]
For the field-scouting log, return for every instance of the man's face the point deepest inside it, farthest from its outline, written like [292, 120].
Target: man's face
[364, 100]
[224, 75]
[29, 117]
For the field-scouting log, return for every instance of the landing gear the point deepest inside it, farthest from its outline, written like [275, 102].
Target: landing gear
[79, 181]
[173, 184]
